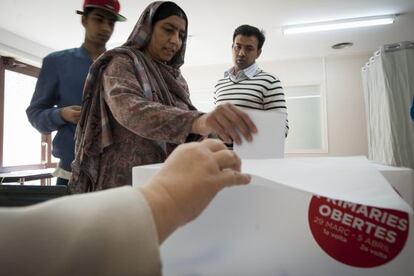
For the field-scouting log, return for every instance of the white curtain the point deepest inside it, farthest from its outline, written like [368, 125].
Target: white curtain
[388, 80]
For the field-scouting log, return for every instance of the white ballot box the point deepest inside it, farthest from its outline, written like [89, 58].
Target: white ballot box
[276, 228]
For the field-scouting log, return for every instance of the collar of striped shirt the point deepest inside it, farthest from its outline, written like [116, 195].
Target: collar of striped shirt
[248, 73]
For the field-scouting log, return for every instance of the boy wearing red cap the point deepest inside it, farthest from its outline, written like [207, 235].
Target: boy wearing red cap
[57, 99]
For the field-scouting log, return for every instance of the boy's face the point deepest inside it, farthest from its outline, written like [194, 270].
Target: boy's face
[99, 26]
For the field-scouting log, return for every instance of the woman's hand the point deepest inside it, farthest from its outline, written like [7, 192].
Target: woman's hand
[228, 122]
[189, 179]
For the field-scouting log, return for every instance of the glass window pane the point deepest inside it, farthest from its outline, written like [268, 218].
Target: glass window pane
[22, 143]
[305, 118]
[54, 159]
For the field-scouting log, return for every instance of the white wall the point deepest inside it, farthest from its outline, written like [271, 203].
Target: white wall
[340, 80]
[22, 49]
[345, 106]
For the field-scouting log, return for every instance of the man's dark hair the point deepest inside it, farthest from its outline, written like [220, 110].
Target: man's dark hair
[247, 30]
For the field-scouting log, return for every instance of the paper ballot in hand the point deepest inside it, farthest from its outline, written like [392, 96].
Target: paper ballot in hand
[269, 141]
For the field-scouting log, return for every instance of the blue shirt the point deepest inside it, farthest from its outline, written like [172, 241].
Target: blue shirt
[412, 110]
[60, 84]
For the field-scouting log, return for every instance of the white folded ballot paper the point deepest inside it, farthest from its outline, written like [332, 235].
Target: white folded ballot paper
[351, 179]
[269, 142]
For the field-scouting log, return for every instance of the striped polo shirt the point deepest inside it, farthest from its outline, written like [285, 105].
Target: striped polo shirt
[251, 88]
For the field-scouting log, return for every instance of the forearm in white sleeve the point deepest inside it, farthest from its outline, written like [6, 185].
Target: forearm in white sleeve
[103, 233]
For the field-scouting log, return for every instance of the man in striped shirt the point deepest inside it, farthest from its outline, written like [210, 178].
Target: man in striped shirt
[245, 84]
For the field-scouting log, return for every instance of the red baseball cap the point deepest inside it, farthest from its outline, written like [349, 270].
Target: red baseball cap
[112, 6]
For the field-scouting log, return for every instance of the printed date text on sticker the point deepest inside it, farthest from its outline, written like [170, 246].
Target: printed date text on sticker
[357, 235]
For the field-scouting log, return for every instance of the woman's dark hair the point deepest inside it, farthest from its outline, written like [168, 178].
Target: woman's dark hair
[247, 30]
[168, 9]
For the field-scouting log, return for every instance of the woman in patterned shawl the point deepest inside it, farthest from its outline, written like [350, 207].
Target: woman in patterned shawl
[136, 107]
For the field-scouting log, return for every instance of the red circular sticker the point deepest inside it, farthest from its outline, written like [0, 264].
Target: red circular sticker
[357, 235]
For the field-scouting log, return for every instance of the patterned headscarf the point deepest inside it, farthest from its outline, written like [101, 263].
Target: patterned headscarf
[141, 35]
[93, 133]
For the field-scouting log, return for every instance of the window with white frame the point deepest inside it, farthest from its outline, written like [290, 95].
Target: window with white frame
[307, 119]
[21, 146]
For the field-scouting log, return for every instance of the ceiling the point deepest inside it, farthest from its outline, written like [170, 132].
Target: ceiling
[53, 24]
